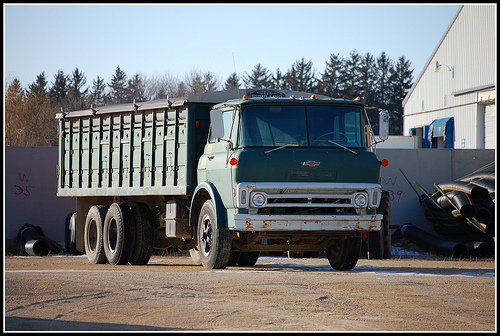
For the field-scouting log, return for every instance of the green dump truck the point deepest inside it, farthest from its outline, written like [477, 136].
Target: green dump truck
[224, 175]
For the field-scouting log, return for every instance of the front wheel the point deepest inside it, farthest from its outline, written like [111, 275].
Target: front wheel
[214, 244]
[343, 254]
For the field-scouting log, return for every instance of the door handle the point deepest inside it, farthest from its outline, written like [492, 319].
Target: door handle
[210, 157]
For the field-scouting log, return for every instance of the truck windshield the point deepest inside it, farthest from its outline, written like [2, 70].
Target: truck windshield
[302, 126]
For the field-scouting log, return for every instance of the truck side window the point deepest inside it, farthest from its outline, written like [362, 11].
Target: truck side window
[228, 124]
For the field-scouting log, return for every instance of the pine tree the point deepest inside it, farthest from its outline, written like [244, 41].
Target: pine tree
[232, 82]
[366, 80]
[259, 78]
[351, 76]
[39, 87]
[97, 95]
[136, 89]
[77, 94]
[383, 81]
[59, 89]
[301, 76]
[401, 81]
[118, 86]
[330, 84]
[278, 80]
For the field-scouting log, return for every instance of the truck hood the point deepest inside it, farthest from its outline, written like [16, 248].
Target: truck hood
[306, 165]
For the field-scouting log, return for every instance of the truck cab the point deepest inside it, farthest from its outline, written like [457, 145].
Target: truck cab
[287, 174]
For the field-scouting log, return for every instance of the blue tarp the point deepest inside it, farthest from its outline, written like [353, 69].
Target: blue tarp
[441, 128]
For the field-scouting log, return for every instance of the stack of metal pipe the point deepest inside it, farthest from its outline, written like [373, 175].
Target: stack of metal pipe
[463, 215]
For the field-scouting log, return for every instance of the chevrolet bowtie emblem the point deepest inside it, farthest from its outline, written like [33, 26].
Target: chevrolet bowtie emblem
[311, 163]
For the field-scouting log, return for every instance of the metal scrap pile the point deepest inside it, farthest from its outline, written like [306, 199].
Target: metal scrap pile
[463, 215]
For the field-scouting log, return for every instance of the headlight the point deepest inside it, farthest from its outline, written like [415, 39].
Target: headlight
[360, 200]
[258, 199]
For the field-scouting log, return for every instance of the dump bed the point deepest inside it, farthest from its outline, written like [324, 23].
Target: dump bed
[149, 148]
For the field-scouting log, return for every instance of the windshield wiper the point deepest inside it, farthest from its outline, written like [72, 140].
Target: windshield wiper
[344, 147]
[277, 148]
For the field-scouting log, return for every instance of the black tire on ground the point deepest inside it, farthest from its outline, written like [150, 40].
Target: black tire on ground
[214, 244]
[248, 258]
[118, 233]
[343, 254]
[93, 234]
[143, 234]
[379, 242]
[70, 234]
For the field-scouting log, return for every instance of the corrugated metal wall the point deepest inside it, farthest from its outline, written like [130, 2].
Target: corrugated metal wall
[468, 49]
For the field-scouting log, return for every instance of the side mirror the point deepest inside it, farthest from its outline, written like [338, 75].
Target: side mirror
[383, 125]
[217, 124]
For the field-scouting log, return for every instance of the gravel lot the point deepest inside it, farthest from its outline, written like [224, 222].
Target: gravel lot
[66, 293]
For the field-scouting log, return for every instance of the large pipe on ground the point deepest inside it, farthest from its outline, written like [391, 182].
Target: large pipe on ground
[477, 193]
[433, 243]
[460, 201]
[34, 243]
[486, 184]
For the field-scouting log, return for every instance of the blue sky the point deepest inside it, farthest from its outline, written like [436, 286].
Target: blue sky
[176, 39]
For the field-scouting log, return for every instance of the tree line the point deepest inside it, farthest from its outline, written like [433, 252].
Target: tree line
[30, 112]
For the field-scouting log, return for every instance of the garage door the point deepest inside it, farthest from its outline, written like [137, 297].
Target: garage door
[489, 126]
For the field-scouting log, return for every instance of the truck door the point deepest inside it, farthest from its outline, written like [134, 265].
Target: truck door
[218, 154]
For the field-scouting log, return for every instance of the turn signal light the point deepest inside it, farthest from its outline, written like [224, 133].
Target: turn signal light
[245, 97]
[233, 161]
[384, 163]
[313, 96]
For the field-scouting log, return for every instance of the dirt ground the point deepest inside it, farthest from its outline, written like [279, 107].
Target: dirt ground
[67, 293]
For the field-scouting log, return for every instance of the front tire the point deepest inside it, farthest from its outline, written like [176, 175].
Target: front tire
[343, 254]
[379, 242]
[214, 244]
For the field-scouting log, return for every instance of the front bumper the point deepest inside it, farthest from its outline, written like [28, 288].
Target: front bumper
[331, 223]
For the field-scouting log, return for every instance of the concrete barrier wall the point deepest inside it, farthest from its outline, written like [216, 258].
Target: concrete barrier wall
[30, 188]
[426, 166]
[31, 184]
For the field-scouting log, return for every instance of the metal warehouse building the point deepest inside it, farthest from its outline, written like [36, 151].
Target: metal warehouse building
[452, 102]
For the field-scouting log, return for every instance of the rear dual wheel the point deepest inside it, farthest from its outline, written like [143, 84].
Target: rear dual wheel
[93, 234]
[119, 234]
